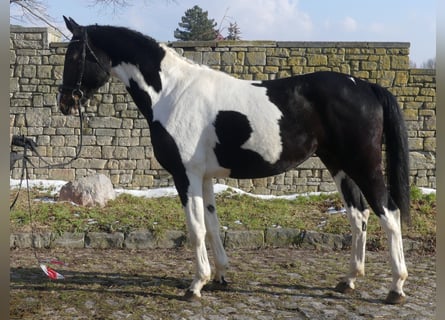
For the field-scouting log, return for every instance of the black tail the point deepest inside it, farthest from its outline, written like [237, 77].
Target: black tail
[397, 151]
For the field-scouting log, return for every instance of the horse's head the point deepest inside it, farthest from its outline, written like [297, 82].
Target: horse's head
[86, 69]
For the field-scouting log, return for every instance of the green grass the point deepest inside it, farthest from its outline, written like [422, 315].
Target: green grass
[236, 212]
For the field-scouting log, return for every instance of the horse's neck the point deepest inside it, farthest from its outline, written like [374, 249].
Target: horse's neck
[177, 71]
[174, 74]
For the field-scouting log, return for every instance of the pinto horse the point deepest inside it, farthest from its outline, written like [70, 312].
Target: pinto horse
[205, 124]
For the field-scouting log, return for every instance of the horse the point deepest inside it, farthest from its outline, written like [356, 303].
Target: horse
[206, 124]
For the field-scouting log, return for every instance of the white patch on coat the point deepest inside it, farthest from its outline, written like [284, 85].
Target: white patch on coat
[126, 71]
[191, 97]
[390, 222]
[358, 245]
[352, 79]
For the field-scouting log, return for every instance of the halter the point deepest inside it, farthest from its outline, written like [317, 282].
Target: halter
[76, 92]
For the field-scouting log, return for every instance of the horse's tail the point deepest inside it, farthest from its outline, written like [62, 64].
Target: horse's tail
[397, 151]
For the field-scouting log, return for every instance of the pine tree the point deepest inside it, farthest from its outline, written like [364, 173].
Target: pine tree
[196, 25]
[234, 32]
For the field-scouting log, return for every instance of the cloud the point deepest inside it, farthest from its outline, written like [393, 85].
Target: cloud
[377, 27]
[349, 24]
[270, 19]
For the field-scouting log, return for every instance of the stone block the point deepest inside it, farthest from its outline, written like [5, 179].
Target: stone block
[228, 58]
[244, 239]
[72, 240]
[38, 117]
[211, 58]
[136, 153]
[171, 239]
[30, 240]
[29, 71]
[105, 122]
[317, 60]
[62, 174]
[281, 237]
[255, 58]
[318, 240]
[429, 144]
[194, 56]
[102, 240]
[141, 239]
[369, 65]
[44, 72]
[400, 62]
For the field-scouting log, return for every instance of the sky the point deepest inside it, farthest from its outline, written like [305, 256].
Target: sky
[411, 21]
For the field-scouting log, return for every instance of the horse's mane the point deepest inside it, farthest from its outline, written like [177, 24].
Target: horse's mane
[120, 31]
[123, 42]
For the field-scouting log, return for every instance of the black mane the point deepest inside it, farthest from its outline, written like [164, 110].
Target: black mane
[125, 45]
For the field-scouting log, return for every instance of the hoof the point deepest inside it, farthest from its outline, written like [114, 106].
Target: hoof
[395, 298]
[222, 282]
[343, 287]
[191, 296]
[219, 284]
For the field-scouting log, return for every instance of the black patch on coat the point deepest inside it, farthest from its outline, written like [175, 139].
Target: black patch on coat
[167, 153]
[233, 129]
[164, 146]
[126, 45]
[141, 99]
[352, 194]
[211, 208]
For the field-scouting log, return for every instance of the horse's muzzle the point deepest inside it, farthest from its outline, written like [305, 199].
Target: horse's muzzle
[67, 104]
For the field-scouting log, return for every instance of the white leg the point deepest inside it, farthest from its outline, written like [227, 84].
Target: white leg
[390, 222]
[194, 210]
[213, 231]
[358, 220]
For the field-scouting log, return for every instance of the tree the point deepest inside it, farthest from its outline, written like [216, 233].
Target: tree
[234, 32]
[429, 64]
[196, 25]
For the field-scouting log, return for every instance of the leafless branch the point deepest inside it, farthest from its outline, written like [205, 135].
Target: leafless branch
[34, 10]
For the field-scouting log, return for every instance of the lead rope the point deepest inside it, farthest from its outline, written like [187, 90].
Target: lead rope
[21, 141]
[77, 94]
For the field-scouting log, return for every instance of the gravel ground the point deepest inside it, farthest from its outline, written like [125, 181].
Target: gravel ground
[267, 283]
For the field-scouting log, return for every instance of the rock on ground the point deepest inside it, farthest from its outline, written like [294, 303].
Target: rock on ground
[88, 191]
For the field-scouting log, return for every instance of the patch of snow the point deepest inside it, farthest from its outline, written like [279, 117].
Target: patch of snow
[149, 193]
[54, 187]
[427, 190]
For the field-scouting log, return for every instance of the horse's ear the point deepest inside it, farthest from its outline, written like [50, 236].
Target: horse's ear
[72, 25]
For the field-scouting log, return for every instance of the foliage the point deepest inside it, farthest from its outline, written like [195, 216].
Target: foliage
[195, 25]
[429, 64]
[234, 32]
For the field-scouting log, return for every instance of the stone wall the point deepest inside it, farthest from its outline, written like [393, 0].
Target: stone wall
[116, 137]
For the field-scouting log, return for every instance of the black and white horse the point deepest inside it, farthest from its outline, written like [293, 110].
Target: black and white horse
[207, 124]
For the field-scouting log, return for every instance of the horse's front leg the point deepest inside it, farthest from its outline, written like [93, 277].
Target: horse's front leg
[194, 211]
[213, 232]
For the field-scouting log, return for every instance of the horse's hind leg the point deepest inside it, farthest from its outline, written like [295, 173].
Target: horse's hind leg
[373, 187]
[358, 216]
[390, 222]
[213, 229]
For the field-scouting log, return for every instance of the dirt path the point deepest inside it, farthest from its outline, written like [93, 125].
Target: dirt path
[264, 284]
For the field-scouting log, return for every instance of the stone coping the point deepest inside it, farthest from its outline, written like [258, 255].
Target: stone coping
[289, 44]
[274, 44]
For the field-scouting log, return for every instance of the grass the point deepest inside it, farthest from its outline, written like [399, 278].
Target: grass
[236, 212]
